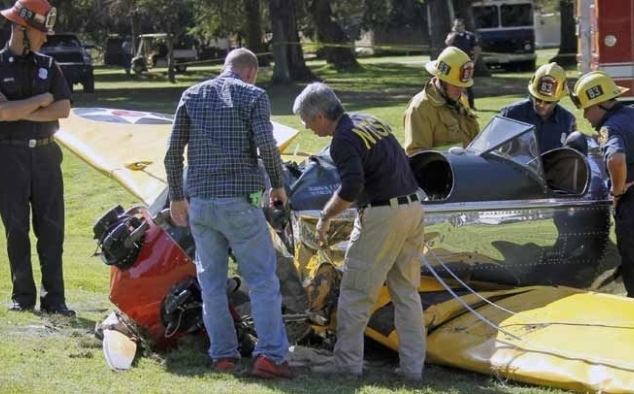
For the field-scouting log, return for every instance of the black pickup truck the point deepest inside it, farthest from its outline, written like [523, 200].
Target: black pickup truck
[73, 58]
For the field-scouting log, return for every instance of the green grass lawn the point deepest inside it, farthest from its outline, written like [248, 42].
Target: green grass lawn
[41, 354]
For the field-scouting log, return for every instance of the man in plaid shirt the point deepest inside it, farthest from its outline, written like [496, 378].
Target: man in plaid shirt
[224, 122]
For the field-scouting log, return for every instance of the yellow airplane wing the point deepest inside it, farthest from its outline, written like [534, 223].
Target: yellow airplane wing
[129, 146]
[552, 336]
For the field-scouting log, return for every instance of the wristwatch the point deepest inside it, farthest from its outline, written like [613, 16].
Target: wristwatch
[617, 194]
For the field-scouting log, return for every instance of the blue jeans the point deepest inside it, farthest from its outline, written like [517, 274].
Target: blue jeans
[218, 224]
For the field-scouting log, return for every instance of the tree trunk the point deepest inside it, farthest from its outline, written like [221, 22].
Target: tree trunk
[288, 55]
[439, 24]
[339, 48]
[464, 10]
[134, 29]
[568, 43]
[253, 30]
[171, 74]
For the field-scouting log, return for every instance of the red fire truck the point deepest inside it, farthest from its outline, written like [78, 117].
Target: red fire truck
[605, 33]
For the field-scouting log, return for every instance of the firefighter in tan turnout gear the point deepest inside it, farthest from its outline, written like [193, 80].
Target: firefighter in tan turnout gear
[439, 115]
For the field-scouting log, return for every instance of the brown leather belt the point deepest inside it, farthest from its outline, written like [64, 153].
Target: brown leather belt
[32, 143]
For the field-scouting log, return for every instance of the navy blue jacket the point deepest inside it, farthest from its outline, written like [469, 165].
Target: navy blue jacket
[371, 163]
[22, 77]
[552, 132]
[616, 135]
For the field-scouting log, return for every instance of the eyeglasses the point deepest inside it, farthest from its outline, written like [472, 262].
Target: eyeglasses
[543, 102]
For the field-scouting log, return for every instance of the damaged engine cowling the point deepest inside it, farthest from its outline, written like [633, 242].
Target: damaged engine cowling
[182, 313]
[119, 235]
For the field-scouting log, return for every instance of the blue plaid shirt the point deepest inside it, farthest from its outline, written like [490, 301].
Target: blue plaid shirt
[222, 121]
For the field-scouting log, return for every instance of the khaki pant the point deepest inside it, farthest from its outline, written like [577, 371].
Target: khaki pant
[384, 248]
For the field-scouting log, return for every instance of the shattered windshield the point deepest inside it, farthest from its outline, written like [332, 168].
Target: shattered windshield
[511, 140]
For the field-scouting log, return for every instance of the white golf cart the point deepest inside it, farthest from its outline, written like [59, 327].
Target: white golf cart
[153, 51]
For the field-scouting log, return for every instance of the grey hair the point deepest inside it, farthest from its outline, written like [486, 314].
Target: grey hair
[318, 98]
[240, 58]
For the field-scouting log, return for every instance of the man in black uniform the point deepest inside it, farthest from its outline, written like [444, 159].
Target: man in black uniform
[33, 96]
[388, 230]
[467, 42]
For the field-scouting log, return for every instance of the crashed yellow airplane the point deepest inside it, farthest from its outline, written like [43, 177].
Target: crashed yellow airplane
[508, 273]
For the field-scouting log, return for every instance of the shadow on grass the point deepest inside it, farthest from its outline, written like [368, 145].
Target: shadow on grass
[190, 359]
[148, 92]
[154, 76]
[389, 85]
[373, 85]
[159, 99]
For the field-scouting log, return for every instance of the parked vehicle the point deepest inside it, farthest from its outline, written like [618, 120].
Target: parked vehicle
[152, 52]
[74, 59]
[215, 48]
[507, 33]
[113, 53]
[604, 33]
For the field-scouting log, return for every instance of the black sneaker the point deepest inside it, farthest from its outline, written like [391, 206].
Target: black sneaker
[61, 309]
[17, 307]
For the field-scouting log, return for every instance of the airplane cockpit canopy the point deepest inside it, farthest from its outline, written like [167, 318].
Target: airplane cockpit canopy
[502, 163]
[510, 139]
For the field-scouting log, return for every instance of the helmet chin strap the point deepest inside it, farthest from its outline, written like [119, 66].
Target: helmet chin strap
[444, 94]
[26, 43]
[614, 105]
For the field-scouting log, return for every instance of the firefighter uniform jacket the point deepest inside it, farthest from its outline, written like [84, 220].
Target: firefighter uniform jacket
[22, 77]
[430, 121]
[616, 135]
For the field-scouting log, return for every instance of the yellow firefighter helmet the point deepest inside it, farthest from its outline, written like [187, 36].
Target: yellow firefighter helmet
[452, 66]
[594, 88]
[548, 83]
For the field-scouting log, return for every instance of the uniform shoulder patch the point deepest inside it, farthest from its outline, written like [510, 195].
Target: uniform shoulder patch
[603, 135]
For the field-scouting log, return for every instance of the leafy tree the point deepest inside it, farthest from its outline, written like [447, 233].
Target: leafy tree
[252, 27]
[440, 24]
[249, 19]
[223, 18]
[400, 12]
[126, 14]
[339, 48]
[568, 43]
[165, 17]
[287, 51]
[463, 9]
